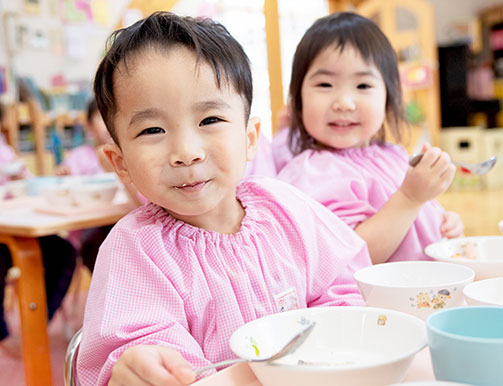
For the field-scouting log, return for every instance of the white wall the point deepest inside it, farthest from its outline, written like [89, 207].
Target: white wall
[448, 12]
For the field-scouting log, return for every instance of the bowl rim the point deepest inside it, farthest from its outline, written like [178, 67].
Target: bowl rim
[462, 260]
[459, 337]
[356, 309]
[468, 287]
[414, 262]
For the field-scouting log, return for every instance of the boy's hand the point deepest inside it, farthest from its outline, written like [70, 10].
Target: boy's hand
[153, 366]
[430, 177]
[452, 226]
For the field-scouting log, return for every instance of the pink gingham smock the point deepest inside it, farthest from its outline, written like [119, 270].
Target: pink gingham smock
[161, 281]
[83, 161]
[355, 183]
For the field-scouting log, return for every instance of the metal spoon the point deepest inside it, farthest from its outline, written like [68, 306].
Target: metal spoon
[479, 168]
[290, 347]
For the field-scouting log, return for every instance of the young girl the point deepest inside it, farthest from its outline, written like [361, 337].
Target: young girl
[344, 86]
[209, 252]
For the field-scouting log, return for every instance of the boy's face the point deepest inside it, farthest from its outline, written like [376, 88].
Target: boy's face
[343, 99]
[183, 141]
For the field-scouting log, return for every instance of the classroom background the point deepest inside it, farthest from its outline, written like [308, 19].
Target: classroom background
[451, 66]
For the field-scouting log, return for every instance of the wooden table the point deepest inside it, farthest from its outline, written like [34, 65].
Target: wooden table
[242, 375]
[21, 223]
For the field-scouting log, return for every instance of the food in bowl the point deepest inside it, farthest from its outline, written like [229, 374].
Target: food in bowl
[466, 345]
[467, 251]
[416, 287]
[488, 251]
[348, 346]
[488, 292]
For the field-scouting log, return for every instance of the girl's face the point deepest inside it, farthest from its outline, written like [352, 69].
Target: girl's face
[183, 141]
[343, 99]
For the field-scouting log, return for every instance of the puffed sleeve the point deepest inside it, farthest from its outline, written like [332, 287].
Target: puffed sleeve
[131, 302]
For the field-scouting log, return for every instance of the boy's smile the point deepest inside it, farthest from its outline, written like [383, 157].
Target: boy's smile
[184, 142]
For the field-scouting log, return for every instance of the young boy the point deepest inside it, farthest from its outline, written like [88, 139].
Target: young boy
[210, 251]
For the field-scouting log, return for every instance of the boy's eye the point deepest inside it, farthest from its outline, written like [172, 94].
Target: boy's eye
[209, 121]
[364, 86]
[151, 130]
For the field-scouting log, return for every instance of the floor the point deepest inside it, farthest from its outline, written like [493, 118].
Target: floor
[480, 212]
[65, 322]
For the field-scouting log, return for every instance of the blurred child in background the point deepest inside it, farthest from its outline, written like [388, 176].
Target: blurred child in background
[58, 257]
[210, 251]
[344, 86]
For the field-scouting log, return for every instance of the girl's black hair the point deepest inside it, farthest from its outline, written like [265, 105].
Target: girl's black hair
[340, 30]
[209, 40]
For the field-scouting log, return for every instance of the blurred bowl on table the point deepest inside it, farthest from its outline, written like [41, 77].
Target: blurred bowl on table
[12, 168]
[16, 188]
[358, 346]
[416, 287]
[466, 345]
[488, 292]
[80, 193]
[483, 254]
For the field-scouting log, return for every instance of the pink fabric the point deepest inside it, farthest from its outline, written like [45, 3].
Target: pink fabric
[281, 152]
[83, 161]
[160, 281]
[263, 163]
[7, 154]
[355, 183]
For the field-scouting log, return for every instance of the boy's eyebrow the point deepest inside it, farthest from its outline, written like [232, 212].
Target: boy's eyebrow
[211, 104]
[144, 114]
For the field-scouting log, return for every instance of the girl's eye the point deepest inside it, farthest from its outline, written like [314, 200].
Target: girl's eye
[151, 130]
[209, 121]
[364, 86]
[324, 85]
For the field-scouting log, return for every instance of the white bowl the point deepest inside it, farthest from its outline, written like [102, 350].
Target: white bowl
[488, 292]
[80, 193]
[487, 261]
[416, 287]
[348, 346]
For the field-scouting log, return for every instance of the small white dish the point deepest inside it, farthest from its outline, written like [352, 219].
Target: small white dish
[488, 292]
[483, 254]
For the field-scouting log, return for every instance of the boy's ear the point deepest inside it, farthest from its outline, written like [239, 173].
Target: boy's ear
[114, 156]
[252, 134]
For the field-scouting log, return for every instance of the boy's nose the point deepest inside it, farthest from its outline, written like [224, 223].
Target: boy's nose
[186, 155]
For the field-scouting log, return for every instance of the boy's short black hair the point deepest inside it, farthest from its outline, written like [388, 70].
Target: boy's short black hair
[340, 30]
[209, 40]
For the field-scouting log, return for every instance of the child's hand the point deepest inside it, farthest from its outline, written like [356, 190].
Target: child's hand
[151, 365]
[430, 177]
[452, 226]
[62, 170]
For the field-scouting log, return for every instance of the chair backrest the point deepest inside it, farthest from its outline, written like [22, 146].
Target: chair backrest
[71, 359]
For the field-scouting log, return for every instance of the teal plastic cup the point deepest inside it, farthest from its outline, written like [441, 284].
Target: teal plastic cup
[466, 345]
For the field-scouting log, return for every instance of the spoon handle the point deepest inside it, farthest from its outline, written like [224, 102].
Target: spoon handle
[414, 160]
[219, 364]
